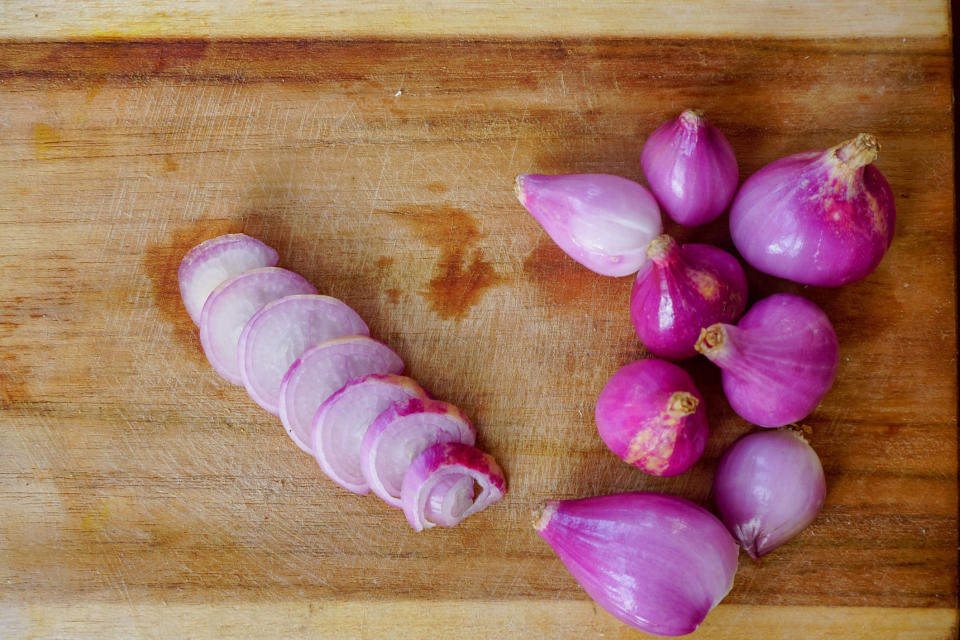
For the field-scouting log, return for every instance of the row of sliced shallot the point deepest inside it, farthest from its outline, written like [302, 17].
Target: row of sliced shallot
[340, 395]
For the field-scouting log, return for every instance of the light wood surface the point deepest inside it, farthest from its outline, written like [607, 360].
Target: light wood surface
[441, 619]
[143, 496]
[98, 19]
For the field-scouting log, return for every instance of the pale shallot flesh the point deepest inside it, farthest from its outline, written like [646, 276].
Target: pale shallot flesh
[321, 371]
[448, 482]
[232, 304]
[343, 419]
[211, 262]
[400, 433]
[280, 332]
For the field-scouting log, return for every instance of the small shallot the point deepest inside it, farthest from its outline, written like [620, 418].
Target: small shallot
[656, 562]
[440, 485]
[769, 486]
[823, 218]
[604, 222]
[778, 362]
[683, 289]
[651, 415]
[691, 168]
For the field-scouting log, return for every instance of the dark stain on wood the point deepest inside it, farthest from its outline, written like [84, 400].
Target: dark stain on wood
[170, 164]
[437, 187]
[559, 279]
[174, 55]
[562, 282]
[457, 285]
[393, 295]
[462, 274]
[13, 391]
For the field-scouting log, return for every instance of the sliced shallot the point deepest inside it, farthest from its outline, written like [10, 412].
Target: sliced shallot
[233, 303]
[343, 419]
[400, 433]
[439, 486]
[215, 260]
[280, 332]
[323, 369]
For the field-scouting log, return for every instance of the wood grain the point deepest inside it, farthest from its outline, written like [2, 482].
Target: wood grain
[133, 479]
[99, 19]
[416, 620]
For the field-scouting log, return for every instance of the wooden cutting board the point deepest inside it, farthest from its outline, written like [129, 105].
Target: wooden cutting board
[141, 496]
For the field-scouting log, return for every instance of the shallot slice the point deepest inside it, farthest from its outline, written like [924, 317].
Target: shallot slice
[439, 487]
[232, 304]
[449, 498]
[343, 419]
[215, 260]
[280, 332]
[323, 369]
[400, 433]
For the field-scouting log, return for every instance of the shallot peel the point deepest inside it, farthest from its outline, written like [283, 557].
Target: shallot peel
[440, 487]
[683, 289]
[343, 419]
[822, 218]
[280, 332]
[211, 262]
[656, 562]
[778, 362]
[232, 304]
[604, 222]
[691, 168]
[322, 370]
[769, 486]
[651, 415]
[400, 433]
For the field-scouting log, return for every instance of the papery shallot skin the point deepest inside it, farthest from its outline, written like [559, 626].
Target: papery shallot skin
[604, 222]
[778, 362]
[651, 415]
[655, 561]
[822, 218]
[691, 168]
[769, 486]
[683, 289]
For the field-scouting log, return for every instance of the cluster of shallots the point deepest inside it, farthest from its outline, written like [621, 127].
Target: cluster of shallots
[309, 359]
[822, 218]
